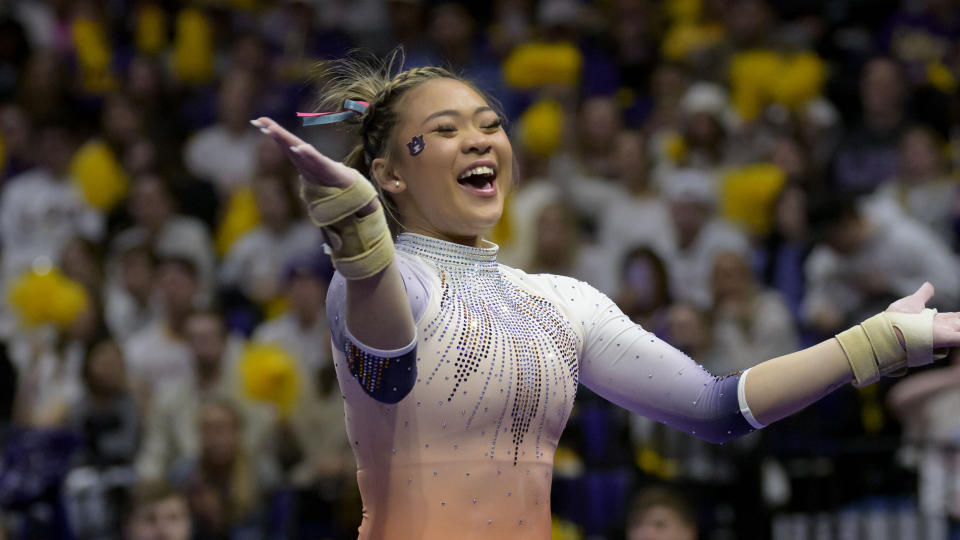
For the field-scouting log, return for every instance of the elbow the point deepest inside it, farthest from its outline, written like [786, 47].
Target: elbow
[720, 429]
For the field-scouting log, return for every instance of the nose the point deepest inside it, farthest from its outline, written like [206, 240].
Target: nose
[476, 142]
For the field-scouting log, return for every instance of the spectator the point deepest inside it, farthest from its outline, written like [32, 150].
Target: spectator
[560, 249]
[926, 405]
[223, 486]
[302, 330]
[225, 152]
[158, 353]
[644, 293]
[868, 153]
[41, 209]
[751, 323]
[787, 247]
[158, 511]
[107, 421]
[256, 261]
[698, 236]
[49, 365]
[701, 141]
[598, 122]
[171, 434]
[158, 225]
[130, 299]
[661, 514]
[922, 189]
[106, 415]
[636, 214]
[864, 263]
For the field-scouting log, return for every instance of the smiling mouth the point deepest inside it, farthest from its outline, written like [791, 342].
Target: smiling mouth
[480, 178]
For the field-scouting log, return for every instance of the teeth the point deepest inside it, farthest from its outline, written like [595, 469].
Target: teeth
[476, 171]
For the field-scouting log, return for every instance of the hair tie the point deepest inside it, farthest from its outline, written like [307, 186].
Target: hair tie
[350, 109]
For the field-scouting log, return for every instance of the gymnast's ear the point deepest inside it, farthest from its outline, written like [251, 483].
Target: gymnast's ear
[386, 176]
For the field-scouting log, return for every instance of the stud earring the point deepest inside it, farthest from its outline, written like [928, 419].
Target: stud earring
[396, 184]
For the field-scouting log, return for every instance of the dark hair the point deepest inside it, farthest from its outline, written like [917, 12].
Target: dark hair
[661, 496]
[829, 211]
[381, 82]
[659, 270]
[146, 494]
[103, 340]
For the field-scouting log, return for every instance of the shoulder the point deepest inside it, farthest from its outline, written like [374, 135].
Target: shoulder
[578, 299]
[419, 280]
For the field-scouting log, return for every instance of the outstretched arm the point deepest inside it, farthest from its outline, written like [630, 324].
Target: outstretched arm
[377, 310]
[638, 371]
[782, 386]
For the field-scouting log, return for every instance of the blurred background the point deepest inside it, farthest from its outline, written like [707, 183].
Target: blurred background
[744, 178]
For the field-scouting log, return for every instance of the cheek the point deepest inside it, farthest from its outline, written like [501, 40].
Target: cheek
[431, 166]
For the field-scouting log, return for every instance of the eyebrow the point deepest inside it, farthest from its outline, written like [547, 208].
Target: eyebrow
[452, 112]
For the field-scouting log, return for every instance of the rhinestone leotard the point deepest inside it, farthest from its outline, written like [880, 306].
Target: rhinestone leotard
[454, 435]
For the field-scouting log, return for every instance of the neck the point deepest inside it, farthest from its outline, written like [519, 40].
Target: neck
[468, 240]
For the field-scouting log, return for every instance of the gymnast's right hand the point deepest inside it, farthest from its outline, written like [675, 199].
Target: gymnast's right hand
[342, 202]
[314, 167]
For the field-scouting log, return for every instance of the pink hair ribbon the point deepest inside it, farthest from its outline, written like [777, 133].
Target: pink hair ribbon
[350, 108]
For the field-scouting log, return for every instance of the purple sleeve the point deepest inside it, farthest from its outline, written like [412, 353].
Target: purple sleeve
[387, 376]
[637, 370]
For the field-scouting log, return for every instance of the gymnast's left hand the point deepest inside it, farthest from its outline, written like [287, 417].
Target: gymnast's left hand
[946, 326]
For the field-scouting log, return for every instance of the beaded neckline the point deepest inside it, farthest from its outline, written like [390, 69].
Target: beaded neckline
[449, 254]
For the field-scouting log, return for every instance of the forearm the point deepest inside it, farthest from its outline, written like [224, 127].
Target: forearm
[784, 385]
[378, 311]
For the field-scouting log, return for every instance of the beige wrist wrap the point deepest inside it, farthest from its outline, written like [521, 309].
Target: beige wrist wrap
[873, 349]
[360, 246]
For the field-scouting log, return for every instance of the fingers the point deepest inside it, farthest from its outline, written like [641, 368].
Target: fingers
[283, 137]
[312, 165]
[951, 319]
[925, 292]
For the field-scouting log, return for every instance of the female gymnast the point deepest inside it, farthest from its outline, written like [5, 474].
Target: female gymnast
[459, 373]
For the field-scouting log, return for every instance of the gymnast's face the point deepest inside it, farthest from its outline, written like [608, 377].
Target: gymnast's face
[452, 159]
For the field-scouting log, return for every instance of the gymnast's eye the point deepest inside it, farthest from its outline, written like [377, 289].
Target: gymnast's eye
[494, 125]
[446, 128]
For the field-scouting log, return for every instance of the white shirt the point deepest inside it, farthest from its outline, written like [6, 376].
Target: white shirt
[690, 269]
[226, 159]
[156, 357]
[901, 251]
[308, 345]
[39, 214]
[260, 254]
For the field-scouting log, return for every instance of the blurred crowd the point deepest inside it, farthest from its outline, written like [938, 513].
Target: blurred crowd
[743, 177]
